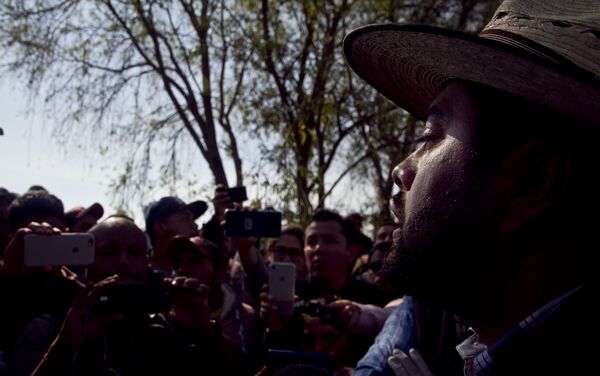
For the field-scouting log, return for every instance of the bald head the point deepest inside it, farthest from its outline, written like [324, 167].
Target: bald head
[111, 224]
[121, 249]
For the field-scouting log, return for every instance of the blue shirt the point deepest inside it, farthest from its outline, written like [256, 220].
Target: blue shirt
[399, 332]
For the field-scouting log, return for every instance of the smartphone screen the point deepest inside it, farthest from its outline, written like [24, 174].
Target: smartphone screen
[249, 224]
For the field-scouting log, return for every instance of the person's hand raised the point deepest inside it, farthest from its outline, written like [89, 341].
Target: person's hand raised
[221, 202]
[269, 311]
[190, 304]
[14, 253]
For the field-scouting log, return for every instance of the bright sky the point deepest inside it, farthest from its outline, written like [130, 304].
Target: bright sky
[30, 156]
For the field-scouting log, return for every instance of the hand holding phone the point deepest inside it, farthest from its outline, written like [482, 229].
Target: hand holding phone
[325, 313]
[56, 250]
[282, 284]
[14, 252]
[190, 304]
[237, 194]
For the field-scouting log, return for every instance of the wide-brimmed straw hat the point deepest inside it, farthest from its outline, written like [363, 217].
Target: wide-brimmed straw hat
[547, 51]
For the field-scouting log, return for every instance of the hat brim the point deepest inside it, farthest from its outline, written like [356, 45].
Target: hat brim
[180, 243]
[197, 208]
[96, 210]
[410, 65]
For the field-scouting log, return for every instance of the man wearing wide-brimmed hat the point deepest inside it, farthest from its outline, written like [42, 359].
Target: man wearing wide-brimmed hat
[497, 198]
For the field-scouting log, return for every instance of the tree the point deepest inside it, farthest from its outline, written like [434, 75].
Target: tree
[144, 74]
[139, 74]
[319, 122]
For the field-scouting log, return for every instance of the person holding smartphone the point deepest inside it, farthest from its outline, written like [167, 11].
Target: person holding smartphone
[328, 239]
[29, 292]
[127, 337]
[166, 218]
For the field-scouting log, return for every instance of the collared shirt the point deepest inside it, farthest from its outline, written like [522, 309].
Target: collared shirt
[479, 359]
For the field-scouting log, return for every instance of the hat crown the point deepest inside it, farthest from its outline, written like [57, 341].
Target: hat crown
[570, 29]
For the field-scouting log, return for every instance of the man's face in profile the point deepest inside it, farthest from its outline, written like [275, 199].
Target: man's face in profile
[179, 223]
[441, 202]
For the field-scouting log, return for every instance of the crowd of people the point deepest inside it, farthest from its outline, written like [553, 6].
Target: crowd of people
[221, 317]
[487, 272]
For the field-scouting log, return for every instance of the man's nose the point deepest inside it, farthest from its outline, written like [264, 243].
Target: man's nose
[318, 248]
[404, 174]
[124, 259]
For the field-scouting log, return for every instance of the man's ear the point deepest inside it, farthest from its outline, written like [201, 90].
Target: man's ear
[533, 177]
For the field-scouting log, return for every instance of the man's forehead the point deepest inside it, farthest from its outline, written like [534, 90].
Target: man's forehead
[118, 231]
[288, 241]
[324, 228]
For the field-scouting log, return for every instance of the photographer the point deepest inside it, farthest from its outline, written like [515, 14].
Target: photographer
[29, 292]
[328, 243]
[200, 259]
[109, 328]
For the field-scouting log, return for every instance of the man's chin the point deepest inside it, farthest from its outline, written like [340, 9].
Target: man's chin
[432, 274]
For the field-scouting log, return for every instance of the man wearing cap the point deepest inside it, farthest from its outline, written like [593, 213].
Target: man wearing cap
[494, 202]
[166, 218]
[202, 260]
[95, 338]
[80, 219]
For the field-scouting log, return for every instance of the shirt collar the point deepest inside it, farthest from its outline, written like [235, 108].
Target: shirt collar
[478, 359]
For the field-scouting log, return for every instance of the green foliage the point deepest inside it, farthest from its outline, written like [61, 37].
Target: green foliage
[164, 74]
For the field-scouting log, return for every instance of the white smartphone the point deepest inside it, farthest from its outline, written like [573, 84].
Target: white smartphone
[282, 286]
[54, 250]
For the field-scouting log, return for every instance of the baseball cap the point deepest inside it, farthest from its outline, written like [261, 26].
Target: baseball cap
[195, 243]
[159, 210]
[78, 212]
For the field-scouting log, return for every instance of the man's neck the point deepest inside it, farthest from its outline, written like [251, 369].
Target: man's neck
[339, 285]
[521, 282]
